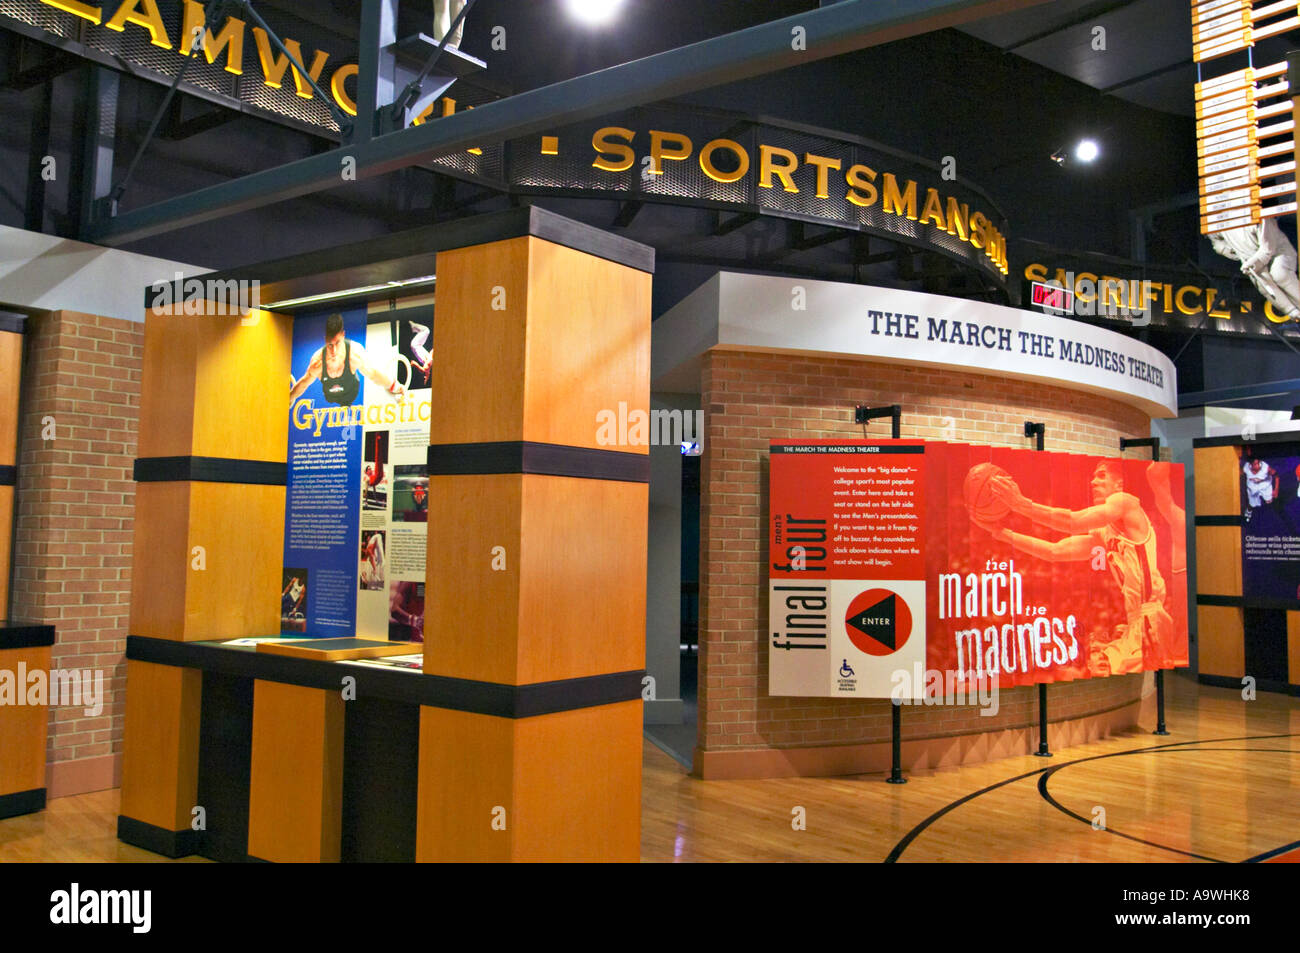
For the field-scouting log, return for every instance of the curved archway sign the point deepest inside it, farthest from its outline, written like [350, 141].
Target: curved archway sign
[761, 312]
[667, 154]
[685, 155]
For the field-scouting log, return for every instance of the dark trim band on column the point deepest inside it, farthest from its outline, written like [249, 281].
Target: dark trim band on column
[547, 459]
[432, 691]
[1234, 520]
[159, 840]
[1248, 602]
[8, 475]
[21, 635]
[22, 802]
[12, 322]
[210, 470]
[1209, 599]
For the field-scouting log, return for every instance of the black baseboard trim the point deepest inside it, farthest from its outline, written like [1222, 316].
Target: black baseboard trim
[157, 839]
[22, 802]
[258, 860]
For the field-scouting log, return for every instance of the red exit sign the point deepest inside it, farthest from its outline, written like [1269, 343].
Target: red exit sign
[1053, 297]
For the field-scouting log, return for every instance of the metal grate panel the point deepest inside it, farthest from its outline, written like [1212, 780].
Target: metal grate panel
[45, 18]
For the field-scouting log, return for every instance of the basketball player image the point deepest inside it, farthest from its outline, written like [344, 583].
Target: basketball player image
[422, 356]
[1116, 522]
[372, 562]
[338, 366]
[1264, 488]
[1159, 476]
[291, 600]
[1261, 483]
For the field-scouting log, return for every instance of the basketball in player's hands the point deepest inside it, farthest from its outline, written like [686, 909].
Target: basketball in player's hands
[983, 502]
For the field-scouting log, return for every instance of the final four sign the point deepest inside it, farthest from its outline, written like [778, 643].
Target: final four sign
[972, 565]
[847, 576]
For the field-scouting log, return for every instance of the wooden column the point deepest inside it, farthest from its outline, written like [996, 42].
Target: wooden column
[295, 801]
[11, 369]
[24, 721]
[1220, 631]
[24, 726]
[537, 548]
[209, 537]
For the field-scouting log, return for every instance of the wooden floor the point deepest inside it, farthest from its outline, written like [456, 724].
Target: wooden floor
[1225, 786]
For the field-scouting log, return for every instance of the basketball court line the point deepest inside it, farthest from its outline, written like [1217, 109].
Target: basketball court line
[920, 828]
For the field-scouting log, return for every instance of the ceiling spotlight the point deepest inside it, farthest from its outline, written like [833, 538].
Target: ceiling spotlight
[594, 12]
[1059, 157]
[1086, 150]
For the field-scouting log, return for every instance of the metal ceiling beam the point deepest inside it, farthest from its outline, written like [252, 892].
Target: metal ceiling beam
[828, 31]
[1228, 395]
[1088, 15]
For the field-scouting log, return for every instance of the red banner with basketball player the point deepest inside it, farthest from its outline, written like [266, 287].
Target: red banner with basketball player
[892, 560]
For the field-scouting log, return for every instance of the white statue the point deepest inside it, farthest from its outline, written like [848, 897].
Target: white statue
[444, 11]
[1268, 259]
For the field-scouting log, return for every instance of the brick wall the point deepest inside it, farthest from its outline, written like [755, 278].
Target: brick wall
[72, 553]
[750, 399]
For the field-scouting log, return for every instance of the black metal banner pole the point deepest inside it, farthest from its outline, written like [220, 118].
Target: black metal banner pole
[896, 744]
[1154, 444]
[861, 415]
[1038, 432]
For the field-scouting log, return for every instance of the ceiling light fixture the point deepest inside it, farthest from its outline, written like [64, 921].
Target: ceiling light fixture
[1087, 150]
[594, 12]
[390, 286]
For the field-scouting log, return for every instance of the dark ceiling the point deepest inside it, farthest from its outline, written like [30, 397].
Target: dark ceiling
[999, 95]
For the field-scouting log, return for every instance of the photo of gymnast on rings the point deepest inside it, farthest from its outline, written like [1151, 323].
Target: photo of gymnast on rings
[411, 493]
[339, 366]
[415, 343]
[374, 471]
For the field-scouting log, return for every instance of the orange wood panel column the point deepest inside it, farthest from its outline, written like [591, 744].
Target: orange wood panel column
[24, 649]
[11, 368]
[24, 716]
[209, 536]
[160, 759]
[1220, 632]
[1293, 649]
[535, 596]
[295, 799]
